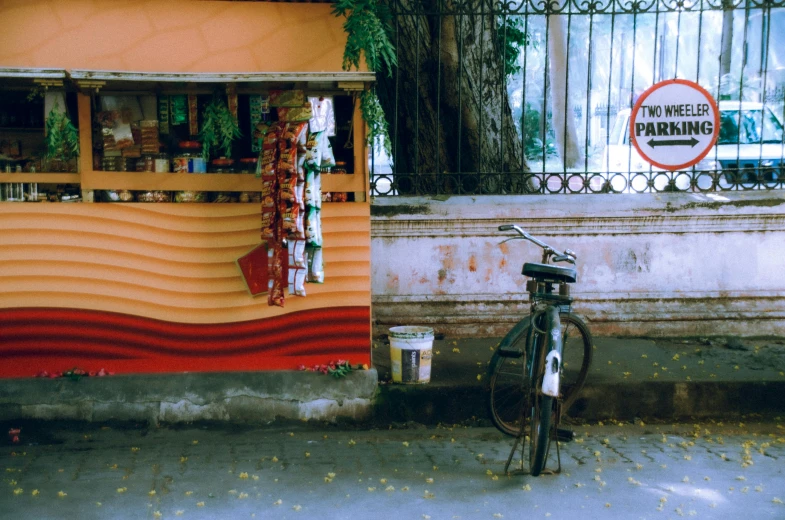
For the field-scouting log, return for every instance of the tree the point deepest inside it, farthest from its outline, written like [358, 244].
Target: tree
[446, 100]
[563, 122]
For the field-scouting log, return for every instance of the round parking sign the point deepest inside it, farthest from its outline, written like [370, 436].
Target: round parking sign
[674, 124]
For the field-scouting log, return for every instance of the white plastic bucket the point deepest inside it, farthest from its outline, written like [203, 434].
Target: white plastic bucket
[411, 351]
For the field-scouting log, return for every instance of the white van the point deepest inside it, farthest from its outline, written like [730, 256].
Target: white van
[750, 151]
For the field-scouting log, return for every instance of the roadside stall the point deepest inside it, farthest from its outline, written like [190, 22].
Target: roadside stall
[166, 210]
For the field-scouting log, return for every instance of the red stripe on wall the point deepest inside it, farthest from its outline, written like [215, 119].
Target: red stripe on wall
[53, 339]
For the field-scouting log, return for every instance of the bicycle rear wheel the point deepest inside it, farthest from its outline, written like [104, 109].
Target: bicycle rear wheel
[541, 411]
[509, 389]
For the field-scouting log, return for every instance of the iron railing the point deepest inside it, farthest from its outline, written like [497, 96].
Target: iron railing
[483, 101]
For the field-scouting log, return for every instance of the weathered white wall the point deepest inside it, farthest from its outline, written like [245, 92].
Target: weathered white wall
[648, 265]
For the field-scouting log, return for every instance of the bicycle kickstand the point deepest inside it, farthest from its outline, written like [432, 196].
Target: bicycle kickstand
[520, 439]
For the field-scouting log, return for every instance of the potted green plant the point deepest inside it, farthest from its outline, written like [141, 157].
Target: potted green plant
[62, 139]
[219, 129]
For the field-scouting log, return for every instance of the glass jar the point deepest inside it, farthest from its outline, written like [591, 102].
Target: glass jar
[148, 163]
[162, 163]
[180, 163]
[14, 192]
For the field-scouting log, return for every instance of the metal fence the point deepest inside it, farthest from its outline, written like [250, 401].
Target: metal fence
[534, 96]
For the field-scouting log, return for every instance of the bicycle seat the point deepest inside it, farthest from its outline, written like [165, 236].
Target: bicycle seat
[550, 273]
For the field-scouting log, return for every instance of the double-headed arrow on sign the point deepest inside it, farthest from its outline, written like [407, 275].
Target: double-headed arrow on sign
[673, 142]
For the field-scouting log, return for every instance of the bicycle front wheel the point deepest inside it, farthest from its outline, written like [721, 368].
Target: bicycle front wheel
[576, 357]
[508, 392]
[541, 411]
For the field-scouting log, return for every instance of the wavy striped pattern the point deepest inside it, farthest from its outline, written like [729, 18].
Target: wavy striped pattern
[198, 36]
[168, 262]
[34, 339]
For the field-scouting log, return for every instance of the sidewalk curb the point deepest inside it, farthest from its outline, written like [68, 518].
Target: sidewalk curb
[645, 400]
[233, 397]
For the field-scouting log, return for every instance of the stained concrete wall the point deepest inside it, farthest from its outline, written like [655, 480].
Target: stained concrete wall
[648, 264]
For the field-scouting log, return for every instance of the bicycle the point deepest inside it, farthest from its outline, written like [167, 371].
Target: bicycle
[539, 367]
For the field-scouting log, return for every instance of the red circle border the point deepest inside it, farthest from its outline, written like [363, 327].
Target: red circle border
[646, 94]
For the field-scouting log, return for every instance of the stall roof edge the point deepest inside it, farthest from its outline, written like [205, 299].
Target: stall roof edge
[220, 77]
[32, 73]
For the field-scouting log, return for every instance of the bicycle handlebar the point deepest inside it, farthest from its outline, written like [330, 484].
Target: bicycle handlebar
[567, 255]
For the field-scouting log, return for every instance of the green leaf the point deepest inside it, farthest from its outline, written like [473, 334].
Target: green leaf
[62, 137]
[367, 27]
[373, 114]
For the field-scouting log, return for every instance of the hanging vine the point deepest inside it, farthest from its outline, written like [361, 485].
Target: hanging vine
[367, 27]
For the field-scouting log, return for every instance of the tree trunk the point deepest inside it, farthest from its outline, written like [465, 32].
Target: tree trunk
[563, 122]
[450, 119]
[726, 52]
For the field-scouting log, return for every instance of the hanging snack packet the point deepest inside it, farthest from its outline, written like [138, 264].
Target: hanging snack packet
[302, 113]
[297, 277]
[289, 214]
[315, 265]
[287, 98]
[313, 227]
[328, 158]
[294, 134]
[269, 223]
[288, 190]
[287, 161]
[313, 151]
[297, 253]
[300, 223]
[301, 166]
[279, 276]
[299, 194]
[313, 189]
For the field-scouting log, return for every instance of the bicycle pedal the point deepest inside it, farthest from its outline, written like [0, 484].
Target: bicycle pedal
[563, 435]
[511, 352]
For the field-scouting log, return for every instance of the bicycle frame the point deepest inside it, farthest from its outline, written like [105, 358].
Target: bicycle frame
[544, 344]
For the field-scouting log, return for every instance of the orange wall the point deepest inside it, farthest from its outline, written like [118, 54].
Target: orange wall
[171, 36]
[174, 262]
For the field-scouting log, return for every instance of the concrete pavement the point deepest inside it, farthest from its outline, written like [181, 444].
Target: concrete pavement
[615, 471]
